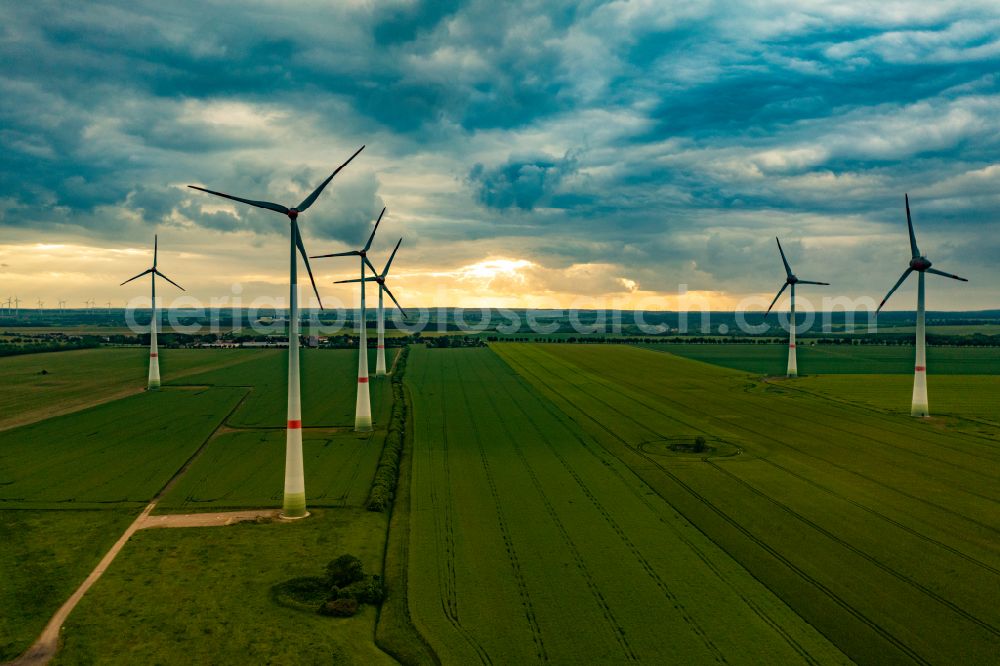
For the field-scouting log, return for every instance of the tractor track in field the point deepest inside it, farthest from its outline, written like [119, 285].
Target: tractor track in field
[444, 525]
[522, 586]
[802, 574]
[749, 417]
[895, 523]
[918, 431]
[909, 530]
[755, 608]
[860, 553]
[875, 409]
[616, 630]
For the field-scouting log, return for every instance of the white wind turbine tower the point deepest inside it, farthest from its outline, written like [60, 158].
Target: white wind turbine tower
[790, 279]
[41, 305]
[379, 278]
[921, 264]
[363, 406]
[154, 354]
[294, 503]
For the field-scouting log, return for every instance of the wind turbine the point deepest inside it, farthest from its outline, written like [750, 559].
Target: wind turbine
[62, 306]
[790, 279]
[379, 278]
[17, 307]
[41, 305]
[921, 264]
[363, 406]
[294, 503]
[154, 355]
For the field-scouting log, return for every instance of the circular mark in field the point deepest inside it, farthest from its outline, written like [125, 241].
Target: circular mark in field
[690, 447]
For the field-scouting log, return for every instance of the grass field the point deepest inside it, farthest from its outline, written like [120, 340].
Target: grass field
[877, 529]
[839, 359]
[529, 542]
[202, 596]
[44, 555]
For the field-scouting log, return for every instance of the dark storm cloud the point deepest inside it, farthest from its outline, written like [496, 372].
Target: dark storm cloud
[657, 136]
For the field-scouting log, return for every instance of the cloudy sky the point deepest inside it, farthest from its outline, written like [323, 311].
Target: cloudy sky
[532, 154]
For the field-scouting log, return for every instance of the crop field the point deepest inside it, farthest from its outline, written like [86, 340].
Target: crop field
[202, 596]
[839, 359]
[329, 386]
[246, 469]
[530, 542]
[118, 453]
[77, 379]
[964, 397]
[879, 530]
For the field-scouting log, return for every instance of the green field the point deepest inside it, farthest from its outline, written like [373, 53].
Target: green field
[877, 529]
[246, 469]
[118, 453]
[839, 359]
[78, 379]
[329, 387]
[44, 555]
[530, 542]
[202, 596]
[114, 456]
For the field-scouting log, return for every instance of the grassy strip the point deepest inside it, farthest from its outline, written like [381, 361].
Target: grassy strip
[395, 632]
[384, 483]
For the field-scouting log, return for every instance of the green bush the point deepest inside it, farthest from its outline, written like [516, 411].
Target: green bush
[344, 570]
[699, 444]
[344, 607]
[367, 591]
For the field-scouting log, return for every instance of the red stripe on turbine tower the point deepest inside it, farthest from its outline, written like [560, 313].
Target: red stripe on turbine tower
[153, 355]
[362, 380]
[295, 425]
[380, 346]
[920, 368]
[792, 346]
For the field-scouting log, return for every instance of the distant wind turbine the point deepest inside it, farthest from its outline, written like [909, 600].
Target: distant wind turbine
[792, 280]
[294, 504]
[154, 354]
[921, 264]
[363, 406]
[41, 305]
[379, 278]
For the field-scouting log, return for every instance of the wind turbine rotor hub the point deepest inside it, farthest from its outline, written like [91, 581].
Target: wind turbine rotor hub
[293, 213]
[920, 264]
[791, 279]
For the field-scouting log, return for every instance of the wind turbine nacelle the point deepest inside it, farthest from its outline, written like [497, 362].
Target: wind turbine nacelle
[791, 279]
[920, 264]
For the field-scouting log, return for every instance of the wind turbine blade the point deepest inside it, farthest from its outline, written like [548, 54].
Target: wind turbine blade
[385, 271]
[168, 280]
[352, 253]
[788, 269]
[259, 204]
[367, 279]
[374, 272]
[811, 282]
[309, 200]
[372, 237]
[148, 270]
[909, 223]
[905, 275]
[949, 275]
[154, 250]
[305, 258]
[780, 291]
[386, 289]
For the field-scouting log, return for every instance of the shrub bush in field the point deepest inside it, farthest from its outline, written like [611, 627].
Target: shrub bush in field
[344, 607]
[338, 594]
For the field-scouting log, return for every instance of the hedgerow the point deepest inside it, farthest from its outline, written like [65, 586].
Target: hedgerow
[384, 484]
